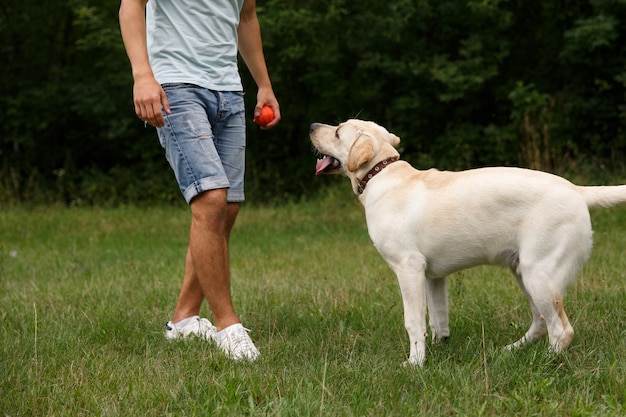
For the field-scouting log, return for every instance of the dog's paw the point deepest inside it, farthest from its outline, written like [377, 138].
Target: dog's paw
[440, 339]
[414, 362]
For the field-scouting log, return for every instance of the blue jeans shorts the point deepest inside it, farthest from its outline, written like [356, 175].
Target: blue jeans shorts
[204, 139]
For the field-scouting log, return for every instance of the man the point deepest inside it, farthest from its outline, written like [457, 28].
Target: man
[183, 55]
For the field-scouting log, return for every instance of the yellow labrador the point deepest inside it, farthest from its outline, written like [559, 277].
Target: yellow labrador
[429, 224]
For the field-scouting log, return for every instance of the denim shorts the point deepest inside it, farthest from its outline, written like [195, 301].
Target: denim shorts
[204, 139]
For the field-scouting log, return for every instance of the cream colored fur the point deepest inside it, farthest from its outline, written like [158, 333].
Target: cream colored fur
[429, 224]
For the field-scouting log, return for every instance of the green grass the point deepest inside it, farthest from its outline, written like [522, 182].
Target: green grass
[85, 293]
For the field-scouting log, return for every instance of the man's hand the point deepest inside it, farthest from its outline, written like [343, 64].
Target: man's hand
[150, 100]
[266, 97]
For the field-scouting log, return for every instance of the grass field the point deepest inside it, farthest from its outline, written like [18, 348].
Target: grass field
[85, 294]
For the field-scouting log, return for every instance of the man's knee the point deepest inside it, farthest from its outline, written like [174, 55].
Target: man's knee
[210, 207]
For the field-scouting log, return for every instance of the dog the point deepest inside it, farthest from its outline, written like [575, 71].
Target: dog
[427, 224]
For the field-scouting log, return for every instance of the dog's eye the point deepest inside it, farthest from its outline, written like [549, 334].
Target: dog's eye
[337, 134]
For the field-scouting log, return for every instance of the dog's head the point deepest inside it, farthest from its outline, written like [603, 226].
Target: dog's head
[351, 148]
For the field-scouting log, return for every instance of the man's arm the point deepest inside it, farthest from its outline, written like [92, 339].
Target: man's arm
[251, 50]
[148, 96]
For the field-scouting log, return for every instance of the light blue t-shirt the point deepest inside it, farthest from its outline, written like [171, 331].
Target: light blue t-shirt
[194, 41]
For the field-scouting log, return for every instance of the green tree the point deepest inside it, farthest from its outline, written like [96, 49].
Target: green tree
[464, 83]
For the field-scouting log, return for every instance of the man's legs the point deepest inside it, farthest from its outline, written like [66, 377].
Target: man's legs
[207, 268]
[204, 138]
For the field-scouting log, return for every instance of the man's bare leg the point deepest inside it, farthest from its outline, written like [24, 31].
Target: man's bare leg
[207, 268]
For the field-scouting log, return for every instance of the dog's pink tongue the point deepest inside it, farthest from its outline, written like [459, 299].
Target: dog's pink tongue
[322, 164]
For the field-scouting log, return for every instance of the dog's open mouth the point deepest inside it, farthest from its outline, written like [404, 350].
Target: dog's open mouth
[327, 163]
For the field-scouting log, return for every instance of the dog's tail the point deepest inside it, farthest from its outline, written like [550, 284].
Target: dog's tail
[604, 196]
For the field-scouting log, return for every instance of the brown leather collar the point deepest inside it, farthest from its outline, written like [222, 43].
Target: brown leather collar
[372, 172]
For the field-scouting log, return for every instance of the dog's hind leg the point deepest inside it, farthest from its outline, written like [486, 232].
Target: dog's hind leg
[551, 254]
[560, 340]
[437, 300]
[538, 326]
[546, 303]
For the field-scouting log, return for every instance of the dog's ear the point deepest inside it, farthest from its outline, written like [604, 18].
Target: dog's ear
[364, 148]
[393, 139]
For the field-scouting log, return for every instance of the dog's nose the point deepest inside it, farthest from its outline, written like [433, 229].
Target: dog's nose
[313, 127]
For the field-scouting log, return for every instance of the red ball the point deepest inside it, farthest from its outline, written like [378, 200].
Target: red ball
[266, 116]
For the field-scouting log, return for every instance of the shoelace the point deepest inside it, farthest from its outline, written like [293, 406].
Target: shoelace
[240, 344]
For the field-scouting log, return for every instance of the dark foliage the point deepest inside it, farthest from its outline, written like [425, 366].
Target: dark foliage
[463, 83]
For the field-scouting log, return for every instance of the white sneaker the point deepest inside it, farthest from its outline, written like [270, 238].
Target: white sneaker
[194, 327]
[236, 343]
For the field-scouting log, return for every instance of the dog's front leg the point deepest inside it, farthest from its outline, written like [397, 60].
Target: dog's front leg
[411, 278]
[437, 301]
